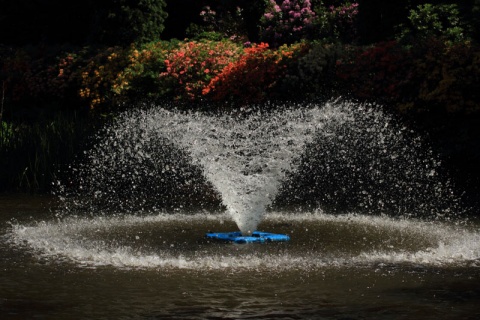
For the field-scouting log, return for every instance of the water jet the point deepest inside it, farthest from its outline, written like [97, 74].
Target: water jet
[339, 157]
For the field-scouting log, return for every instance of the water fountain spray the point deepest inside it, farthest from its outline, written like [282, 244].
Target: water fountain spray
[246, 157]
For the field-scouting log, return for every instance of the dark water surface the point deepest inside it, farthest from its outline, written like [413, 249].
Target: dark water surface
[160, 267]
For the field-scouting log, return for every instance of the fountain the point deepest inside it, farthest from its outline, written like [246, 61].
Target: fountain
[376, 227]
[354, 154]
[245, 158]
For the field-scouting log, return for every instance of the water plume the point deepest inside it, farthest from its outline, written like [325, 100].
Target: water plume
[355, 154]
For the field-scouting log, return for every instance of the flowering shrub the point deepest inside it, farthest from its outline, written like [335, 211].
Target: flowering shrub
[254, 75]
[191, 67]
[312, 74]
[100, 74]
[376, 73]
[118, 75]
[32, 78]
[139, 79]
[287, 21]
[335, 22]
[437, 76]
[15, 65]
[434, 75]
[224, 20]
[63, 75]
[445, 77]
[342, 20]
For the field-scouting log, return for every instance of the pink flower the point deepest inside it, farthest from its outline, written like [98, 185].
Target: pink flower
[286, 4]
[268, 16]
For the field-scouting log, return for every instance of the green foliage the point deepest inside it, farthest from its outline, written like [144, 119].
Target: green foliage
[436, 77]
[140, 79]
[376, 72]
[117, 75]
[123, 22]
[445, 77]
[222, 21]
[85, 78]
[312, 75]
[6, 134]
[109, 22]
[194, 32]
[430, 20]
[341, 21]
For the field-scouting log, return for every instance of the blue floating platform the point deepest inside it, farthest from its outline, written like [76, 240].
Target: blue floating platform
[256, 237]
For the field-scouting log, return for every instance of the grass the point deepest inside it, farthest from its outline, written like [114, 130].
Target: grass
[33, 155]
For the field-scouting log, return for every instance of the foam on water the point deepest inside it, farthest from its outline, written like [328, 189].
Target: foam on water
[95, 242]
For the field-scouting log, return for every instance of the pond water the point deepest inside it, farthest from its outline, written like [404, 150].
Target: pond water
[159, 266]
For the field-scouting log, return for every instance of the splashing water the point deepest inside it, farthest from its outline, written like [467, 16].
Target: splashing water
[247, 157]
[170, 242]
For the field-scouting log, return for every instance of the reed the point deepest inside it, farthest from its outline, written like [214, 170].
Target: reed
[34, 155]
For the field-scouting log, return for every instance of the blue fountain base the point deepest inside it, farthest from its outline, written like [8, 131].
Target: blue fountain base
[256, 237]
